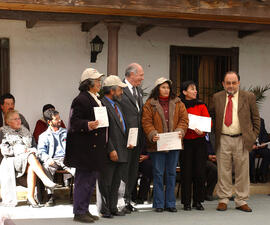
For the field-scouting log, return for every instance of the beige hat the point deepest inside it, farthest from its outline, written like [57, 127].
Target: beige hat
[161, 81]
[90, 73]
[113, 80]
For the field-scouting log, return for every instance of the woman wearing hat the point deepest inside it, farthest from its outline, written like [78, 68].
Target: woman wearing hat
[86, 143]
[193, 158]
[163, 112]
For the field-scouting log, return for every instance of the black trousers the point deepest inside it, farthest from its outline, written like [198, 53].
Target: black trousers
[145, 169]
[131, 173]
[193, 165]
[109, 182]
[211, 177]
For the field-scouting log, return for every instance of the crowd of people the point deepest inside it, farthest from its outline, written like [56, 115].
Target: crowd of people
[91, 151]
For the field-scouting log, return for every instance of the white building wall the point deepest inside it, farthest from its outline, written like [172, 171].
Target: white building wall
[47, 60]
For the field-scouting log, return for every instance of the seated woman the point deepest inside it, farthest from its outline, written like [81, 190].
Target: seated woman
[17, 142]
[42, 125]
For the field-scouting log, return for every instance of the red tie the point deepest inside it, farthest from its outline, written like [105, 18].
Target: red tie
[228, 114]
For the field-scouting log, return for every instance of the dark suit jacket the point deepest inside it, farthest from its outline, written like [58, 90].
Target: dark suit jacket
[248, 115]
[85, 149]
[117, 137]
[263, 135]
[23, 120]
[132, 115]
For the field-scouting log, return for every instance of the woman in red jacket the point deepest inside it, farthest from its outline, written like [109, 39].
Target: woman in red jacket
[193, 158]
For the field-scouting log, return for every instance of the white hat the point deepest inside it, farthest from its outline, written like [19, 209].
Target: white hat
[113, 80]
[161, 81]
[90, 73]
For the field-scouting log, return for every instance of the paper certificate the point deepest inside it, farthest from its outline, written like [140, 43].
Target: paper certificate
[102, 116]
[169, 141]
[264, 144]
[132, 137]
[202, 123]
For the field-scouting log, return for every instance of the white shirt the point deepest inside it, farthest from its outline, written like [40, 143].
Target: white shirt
[95, 96]
[130, 86]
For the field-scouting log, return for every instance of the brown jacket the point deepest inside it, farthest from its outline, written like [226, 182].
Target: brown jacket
[153, 120]
[248, 115]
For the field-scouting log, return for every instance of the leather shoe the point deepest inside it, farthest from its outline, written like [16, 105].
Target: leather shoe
[221, 206]
[171, 209]
[126, 210]
[118, 213]
[107, 215]
[187, 207]
[198, 206]
[83, 218]
[131, 208]
[244, 208]
[159, 210]
[92, 216]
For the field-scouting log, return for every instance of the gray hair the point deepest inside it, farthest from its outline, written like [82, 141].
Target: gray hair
[107, 89]
[87, 84]
[131, 69]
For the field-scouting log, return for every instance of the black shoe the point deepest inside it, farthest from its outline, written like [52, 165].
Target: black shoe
[83, 218]
[126, 210]
[107, 215]
[159, 210]
[92, 216]
[187, 207]
[50, 202]
[171, 209]
[131, 208]
[198, 206]
[118, 213]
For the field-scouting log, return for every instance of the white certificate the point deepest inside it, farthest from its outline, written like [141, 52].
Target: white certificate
[102, 116]
[264, 144]
[169, 141]
[202, 123]
[132, 136]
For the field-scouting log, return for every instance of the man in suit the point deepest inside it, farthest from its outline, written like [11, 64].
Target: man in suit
[110, 178]
[131, 104]
[259, 148]
[237, 125]
[86, 144]
[7, 103]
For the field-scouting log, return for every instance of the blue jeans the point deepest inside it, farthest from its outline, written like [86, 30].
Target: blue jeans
[164, 161]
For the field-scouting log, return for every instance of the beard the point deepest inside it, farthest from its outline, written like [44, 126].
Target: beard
[117, 98]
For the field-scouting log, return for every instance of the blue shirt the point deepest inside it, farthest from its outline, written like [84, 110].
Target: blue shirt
[59, 146]
[120, 113]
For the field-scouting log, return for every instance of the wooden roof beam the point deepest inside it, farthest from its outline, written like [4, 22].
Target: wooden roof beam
[141, 29]
[87, 26]
[192, 32]
[30, 23]
[244, 33]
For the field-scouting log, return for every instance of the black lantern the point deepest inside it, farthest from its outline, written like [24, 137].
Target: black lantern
[96, 47]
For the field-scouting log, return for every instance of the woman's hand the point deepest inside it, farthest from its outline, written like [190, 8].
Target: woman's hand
[155, 138]
[198, 132]
[92, 125]
[180, 135]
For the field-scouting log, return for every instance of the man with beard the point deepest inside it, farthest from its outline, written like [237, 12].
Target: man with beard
[52, 147]
[110, 178]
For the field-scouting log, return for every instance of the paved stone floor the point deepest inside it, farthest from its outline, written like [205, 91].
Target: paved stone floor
[61, 214]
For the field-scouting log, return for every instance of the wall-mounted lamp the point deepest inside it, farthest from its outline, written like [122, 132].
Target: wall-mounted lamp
[96, 47]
